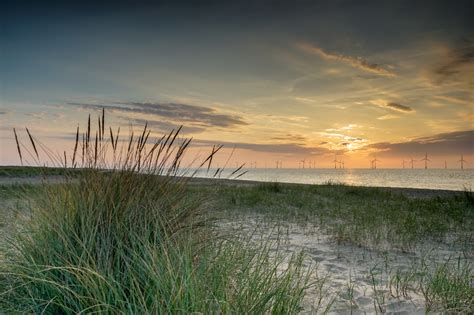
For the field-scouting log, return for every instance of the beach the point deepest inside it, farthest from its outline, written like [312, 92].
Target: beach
[365, 249]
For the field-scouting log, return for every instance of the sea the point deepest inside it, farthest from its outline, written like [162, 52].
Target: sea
[446, 179]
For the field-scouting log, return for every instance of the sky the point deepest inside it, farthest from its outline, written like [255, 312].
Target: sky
[276, 80]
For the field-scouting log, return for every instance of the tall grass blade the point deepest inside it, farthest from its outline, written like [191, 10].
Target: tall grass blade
[32, 143]
[18, 146]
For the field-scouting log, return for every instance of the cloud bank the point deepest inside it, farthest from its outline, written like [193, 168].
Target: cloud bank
[167, 115]
[451, 143]
[291, 149]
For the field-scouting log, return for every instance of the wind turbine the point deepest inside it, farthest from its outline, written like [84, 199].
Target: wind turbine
[302, 162]
[445, 164]
[374, 161]
[403, 163]
[412, 161]
[343, 164]
[335, 161]
[426, 160]
[462, 161]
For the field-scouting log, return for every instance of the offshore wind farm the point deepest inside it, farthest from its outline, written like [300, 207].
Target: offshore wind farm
[408, 175]
[323, 171]
[439, 178]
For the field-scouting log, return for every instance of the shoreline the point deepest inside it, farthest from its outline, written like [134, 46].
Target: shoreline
[33, 174]
[406, 191]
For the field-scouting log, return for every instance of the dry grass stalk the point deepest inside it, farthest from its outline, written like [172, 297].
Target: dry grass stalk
[32, 143]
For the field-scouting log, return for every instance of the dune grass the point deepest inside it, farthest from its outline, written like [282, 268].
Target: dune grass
[448, 288]
[380, 221]
[126, 237]
[363, 216]
[445, 287]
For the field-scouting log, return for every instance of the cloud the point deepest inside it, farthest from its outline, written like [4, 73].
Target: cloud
[399, 107]
[348, 127]
[354, 62]
[164, 126]
[387, 117]
[280, 148]
[192, 115]
[455, 100]
[457, 61]
[333, 135]
[452, 143]
[37, 115]
[339, 139]
[291, 138]
[393, 106]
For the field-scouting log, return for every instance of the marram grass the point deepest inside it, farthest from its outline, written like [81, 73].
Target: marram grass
[122, 236]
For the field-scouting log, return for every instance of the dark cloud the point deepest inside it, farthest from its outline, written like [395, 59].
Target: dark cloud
[165, 127]
[457, 59]
[281, 148]
[192, 115]
[399, 107]
[292, 149]
[457, 143]
[291, 138]
[3, 112]
[393, 106]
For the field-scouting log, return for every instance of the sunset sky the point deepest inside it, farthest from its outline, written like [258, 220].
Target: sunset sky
[280, 80]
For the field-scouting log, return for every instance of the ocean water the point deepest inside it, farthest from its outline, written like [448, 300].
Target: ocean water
[448, 179]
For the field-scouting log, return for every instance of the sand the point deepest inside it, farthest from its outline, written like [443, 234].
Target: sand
[348, 270]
